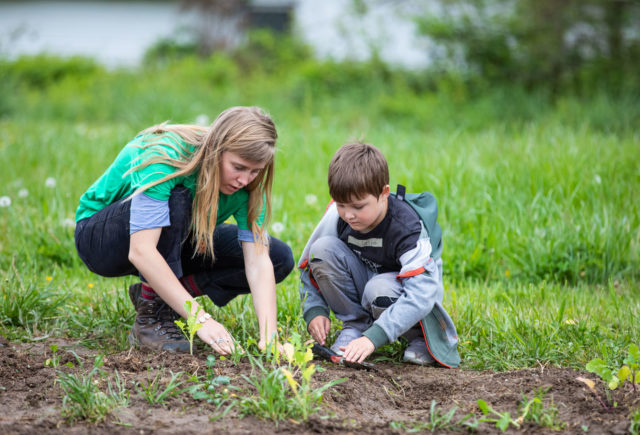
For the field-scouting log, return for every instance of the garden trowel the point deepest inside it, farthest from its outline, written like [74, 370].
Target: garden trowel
[323, 352]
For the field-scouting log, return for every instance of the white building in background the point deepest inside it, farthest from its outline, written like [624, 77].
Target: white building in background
[118, 33]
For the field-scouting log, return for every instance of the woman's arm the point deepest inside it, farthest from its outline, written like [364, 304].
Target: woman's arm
[146, 258]
[259, 270]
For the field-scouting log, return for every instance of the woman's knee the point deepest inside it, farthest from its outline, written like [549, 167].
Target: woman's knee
[282, 259]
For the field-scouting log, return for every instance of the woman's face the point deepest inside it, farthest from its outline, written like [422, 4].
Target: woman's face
[237, 172]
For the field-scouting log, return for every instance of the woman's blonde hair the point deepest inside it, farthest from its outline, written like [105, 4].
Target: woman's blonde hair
[246, 131]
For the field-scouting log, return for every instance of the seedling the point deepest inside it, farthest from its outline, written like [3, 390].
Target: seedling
[215, 389]
[189, 330]
[628, 372]
[437, 420]
[502, 420]
[284, 392]
[154, 393]
[534, 410]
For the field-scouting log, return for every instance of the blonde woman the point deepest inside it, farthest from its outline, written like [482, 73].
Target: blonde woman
[159, 211]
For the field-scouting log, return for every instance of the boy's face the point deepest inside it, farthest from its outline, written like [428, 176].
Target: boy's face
[366, 213]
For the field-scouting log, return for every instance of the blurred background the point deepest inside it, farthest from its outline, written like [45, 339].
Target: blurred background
[520, 116]
[545, 42]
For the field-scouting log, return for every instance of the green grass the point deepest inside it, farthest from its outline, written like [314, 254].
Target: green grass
[537, 198]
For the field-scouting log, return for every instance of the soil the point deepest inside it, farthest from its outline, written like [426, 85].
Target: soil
[367, 402]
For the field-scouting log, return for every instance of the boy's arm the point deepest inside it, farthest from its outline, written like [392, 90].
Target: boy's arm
[422, 289]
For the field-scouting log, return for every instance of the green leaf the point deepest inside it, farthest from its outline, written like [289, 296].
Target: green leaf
[503, 423]
[595, 366]
[614, 382]
[483, 406]
[633, 358]
[624, 373]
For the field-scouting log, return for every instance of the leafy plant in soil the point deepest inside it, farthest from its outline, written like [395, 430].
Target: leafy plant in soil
[284, 392]
[534, 411]
[437, 420]
[615, 377]
[502, 420]
[191, 327]
[215, 389]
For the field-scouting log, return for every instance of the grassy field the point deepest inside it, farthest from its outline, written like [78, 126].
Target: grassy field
[538, 197]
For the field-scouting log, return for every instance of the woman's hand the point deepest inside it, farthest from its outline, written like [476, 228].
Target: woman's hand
[319, 328]
[215, 335]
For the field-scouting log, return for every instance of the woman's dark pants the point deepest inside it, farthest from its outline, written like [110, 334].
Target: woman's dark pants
[102, 241]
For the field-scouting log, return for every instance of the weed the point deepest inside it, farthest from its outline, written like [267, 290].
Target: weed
[153, 391]
[634, 426]
[28, 305]
[284, 392]
[613, 378]
[215, 389]
[534, 410]
[502, 420]
[437, 420]
[83, 399]
[192, 325]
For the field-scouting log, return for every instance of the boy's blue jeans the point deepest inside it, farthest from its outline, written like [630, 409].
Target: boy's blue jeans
[355, 294]
[102, 241]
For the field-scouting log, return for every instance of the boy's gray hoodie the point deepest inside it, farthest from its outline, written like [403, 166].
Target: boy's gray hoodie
[420, 302]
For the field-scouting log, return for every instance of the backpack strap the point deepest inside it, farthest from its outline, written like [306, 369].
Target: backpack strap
[400, 192]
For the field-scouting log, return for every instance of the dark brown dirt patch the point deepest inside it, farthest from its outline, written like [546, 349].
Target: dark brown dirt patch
[368, 402]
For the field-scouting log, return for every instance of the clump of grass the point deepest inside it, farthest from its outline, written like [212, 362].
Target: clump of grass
[156, 392]
[83, 399]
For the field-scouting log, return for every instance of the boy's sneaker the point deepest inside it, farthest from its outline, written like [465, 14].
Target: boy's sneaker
[154, 327]
[347, 335]
[417, 353]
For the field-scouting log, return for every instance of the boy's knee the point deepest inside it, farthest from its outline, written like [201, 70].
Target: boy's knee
[323, 248]
[379, 294]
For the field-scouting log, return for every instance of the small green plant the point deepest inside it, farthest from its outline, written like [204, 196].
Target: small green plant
[534, 410]
[54, 361]
[83, 399]
[284, 392]
[437, 420]
[628, 372]
[634, 426]
[153, 391]
[191, 327]
[502, 420]
[216, 390]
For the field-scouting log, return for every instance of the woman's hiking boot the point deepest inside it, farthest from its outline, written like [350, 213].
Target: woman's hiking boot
[154, 327]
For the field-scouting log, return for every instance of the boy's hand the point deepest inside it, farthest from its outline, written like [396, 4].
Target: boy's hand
[358, 350]
[319, 328]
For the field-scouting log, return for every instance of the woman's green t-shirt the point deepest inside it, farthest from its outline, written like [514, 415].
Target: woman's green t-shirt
[120, 181]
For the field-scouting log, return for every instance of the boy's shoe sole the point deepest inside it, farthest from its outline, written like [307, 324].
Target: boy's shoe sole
[417, 353]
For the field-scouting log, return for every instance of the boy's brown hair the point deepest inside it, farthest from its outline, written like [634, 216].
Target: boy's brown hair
[357, 169]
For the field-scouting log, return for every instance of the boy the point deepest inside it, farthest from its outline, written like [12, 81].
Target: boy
[370, 261]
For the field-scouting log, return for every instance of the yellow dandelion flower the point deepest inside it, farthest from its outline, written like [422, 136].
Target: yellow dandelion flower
[49, 278]
[90, 285]
[507, 273]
